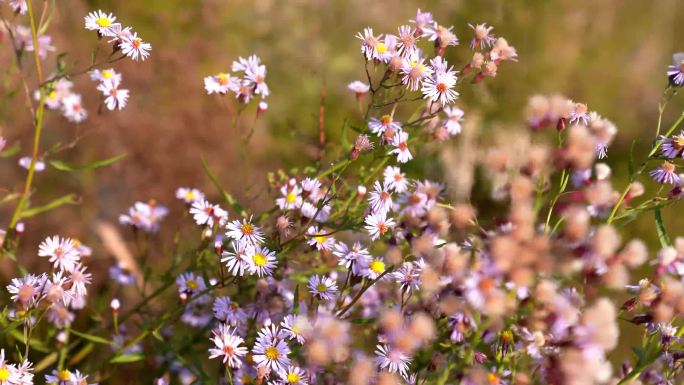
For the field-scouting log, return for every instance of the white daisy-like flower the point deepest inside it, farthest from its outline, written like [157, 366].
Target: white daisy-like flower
[396, 180]
[407, 41]
[318, 239]
[220, 83]
[385, 124]
[205, 213]
[256, 77]
[242, 64]
[380, 198]
[414, 71]
[189, 195]
[291, 198]
[377, 224]
[359, 88]
[323, 288]
[100, 21]
[27, 290]
[261, 261]
[483, 36]
[145, 216]
[392, 359]
[135, 48]
[369, 43]
[296, 327]
[229, 311]
[355, 257]
[386, 49]
[408, 275]
[245, 231]
[311, 189]
[271, 350]
[237, 260]
[400, 143]
[55, 291]
[72, 108]
[62, 252]
[440, 87]
[79, 278]
[115, 97]
[309, 210]
[293, 375]
[454, 117]
[227, 346]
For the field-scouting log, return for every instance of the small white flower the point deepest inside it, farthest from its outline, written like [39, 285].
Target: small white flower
[189, 195]
[133, 47]
[25, 162]
[261, 261]
[318, 239]
[72, 108]
[394, 360]
[395, 179]
[452, 123]
[323, 288]
[380, 198]
[114, 96]
[377, 225]
[227, 346]
[62, 252]
[400, 142]
[245, 231]
[100, 21]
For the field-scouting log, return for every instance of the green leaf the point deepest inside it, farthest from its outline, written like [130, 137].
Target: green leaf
[346, 145]
[11, 151]
[92, 338]
[228, 198]
[63, 166]
[295, 310]
[69, 199]
[127, 358]
[660, 228]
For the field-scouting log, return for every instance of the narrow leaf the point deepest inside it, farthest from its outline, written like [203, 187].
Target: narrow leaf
[92, 338]
[660, 228]
[226, 196]
[69, 199]
[63, 166]
[11, 151]
[127, 358]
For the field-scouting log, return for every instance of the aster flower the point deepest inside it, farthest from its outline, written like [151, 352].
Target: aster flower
[190, 284]
[229, 311]
[359, 88]
[72, 108]
[311, 189]
[318, 239]
[665, 174]
[27, 290]
[291, 197]
[579, 114]
[115, 97]
[380, 198]
[369, 43]
[145, 216]
[271, 350]
[400, 142]
[245, 231]
[385, 124]
[220, 83]
[237, 260]
[44, 45]
[442, 36]
[79, 278]
[374, 268]
[672, 147]
[296, 327]
[242, 64]
[189, 195]
[452, 123]
[386, 49]
[100, 21]
[60, 377]
[414, 71]
[105, 74]
[392, 359]
[293, 375]
[133, 47]
[377, 224]
[422, 20]
[675, 72]
[408, 275]
[355, 257]
[261, 261]
[227, 346]
[407, 37]
[483, 36]
[25, 162]
[205, 213]
[439, 86]
[62, 252]
[323, 288]
[18, 6]
[255, 77]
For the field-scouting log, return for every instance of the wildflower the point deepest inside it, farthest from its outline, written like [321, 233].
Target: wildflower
[385, 124]
[73, 109]
[502, 51]
[145, 216]
[375, 268]
[293, 375]
[408, 275]
[227, 346]
[79, 279]
[387, 49]
[296, 327]
[236, 261]
[361, 143]
[672, 147]
[205, 213]
[220, 83]
[380, 198]
[396, 180]
[270, 350]
[228, 311]
[115, 97]
[579, 114]
[359, 88]
[665, 174]
[392, 359]
[400, 142]
[244, 231]
[422, 20]
[261, 261]
[442, 36]
[189, 195]
[440, 88]
[101, 22]
[61, 377]
[369, 45]
[26, 42]
[323, 288]
[407, 40]
[61, 251]
[103, 75]
[242, 64]
[190, 284]
[354, 257]
[675, 72]
[18, 6]
[27, 290]
[255, 77]
[133, 47]
[25, 162]
[414, 71]
[452, 123]
[318, 239]
[377, 225]
[483, 36]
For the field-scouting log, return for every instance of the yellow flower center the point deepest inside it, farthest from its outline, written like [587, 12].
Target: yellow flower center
[222, 78]
[52, 95]
[192, 284]
[4, 374]
[321, 287]
[190, 195]
[259, 259]
[381, 48]
[272, 353]
[247, 229]
[386, 120]
[103, 22]
[64, 375]
[291, 198]
[319, 238]
[378, 267]
[493, 379]
[107, 74]
[292, 378]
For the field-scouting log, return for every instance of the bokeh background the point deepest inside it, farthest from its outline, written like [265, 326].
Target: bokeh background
[610, 54]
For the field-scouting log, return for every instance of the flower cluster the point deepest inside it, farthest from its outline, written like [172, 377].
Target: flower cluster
[248, 82]
[122, 38]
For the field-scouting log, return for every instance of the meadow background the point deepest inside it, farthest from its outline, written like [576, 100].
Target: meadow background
[610, 54]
